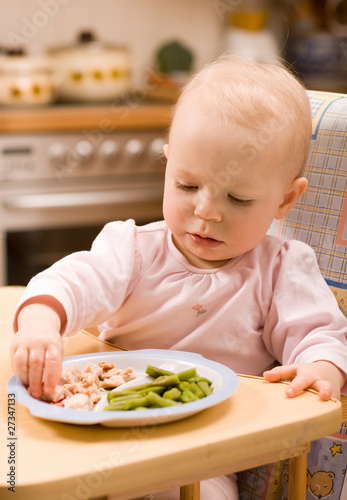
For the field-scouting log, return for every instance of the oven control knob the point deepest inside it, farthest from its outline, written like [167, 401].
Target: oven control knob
[134, 150]
[57, 152]
[109, 150]
[156, 149]
[84, 150]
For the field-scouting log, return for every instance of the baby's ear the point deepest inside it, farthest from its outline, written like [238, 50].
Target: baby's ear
[166, 151]
[291, 196]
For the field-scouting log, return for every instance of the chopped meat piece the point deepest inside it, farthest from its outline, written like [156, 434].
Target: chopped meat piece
[90, 379]
[115, 381]
[129, 374]
[110, 373]
[60, 392]
[70, 375]
[95, 397]
[78, 388]
[106, 366]
[92, 368]
[89, 390]
[78, 402]
[73, 388]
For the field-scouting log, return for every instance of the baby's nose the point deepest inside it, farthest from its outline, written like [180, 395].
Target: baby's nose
[207, 207]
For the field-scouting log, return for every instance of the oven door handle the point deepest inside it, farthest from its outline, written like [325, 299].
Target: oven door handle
[84, 199]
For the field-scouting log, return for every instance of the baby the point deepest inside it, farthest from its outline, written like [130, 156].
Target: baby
[208, 278]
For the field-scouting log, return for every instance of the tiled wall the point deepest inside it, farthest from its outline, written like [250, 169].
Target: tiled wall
[141, 24]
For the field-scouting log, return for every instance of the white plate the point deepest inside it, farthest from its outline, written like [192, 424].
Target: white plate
[224, 381]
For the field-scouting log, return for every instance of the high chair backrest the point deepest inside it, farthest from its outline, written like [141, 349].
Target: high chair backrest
[320, 216]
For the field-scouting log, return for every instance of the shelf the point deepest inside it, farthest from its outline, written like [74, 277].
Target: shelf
[107, 118]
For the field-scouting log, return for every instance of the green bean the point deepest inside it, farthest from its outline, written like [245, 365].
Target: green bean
[205, 387]
[134, 403]
[202, 379]
[159, 389]
[114, 407]
[155, 399]
[155, 372]
[193, 386]
[173, 393]
[187, 374]
[165, 380]
[183, 385]
[187, 396]
[120, 394]
[127, 397]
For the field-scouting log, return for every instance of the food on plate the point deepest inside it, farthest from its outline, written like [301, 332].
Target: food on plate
[167, 389]
[82, 388]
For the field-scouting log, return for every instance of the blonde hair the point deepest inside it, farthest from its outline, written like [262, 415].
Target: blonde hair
[257, 95]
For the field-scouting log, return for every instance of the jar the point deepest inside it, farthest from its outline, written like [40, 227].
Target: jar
[92, 71]
[26, 80]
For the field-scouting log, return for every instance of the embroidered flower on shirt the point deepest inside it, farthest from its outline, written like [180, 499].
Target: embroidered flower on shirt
[199, 309]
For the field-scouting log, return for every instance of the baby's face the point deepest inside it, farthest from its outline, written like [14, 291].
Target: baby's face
[222, 190]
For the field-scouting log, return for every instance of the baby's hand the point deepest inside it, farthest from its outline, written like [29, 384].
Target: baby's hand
[322, 376]
[37, 349]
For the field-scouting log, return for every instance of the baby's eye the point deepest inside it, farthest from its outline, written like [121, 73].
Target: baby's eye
[185, 187]
[239, 201]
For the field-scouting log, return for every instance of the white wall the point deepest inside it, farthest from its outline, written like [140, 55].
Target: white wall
[141, 24]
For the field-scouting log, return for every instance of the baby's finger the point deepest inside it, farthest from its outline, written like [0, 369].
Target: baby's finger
[20, 364]
[53, 364]
[36, 360]
[287, 372]
[324, 389]
[299, 383]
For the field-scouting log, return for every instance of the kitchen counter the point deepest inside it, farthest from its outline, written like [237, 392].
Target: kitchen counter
[106, 118]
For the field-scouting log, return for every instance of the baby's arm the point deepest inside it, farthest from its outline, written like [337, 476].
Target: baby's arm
[322, 376]
[37, 347]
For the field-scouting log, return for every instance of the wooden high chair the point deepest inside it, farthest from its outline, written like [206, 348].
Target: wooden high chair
[320, 220]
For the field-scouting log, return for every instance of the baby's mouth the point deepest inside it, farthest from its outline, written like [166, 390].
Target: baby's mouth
[204, 241]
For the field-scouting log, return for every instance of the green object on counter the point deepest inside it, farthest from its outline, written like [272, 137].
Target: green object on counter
[174, 57]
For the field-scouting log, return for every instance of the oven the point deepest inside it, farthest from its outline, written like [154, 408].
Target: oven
[58, 189]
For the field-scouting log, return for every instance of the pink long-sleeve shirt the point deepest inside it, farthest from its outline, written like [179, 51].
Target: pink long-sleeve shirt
[269, 304]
